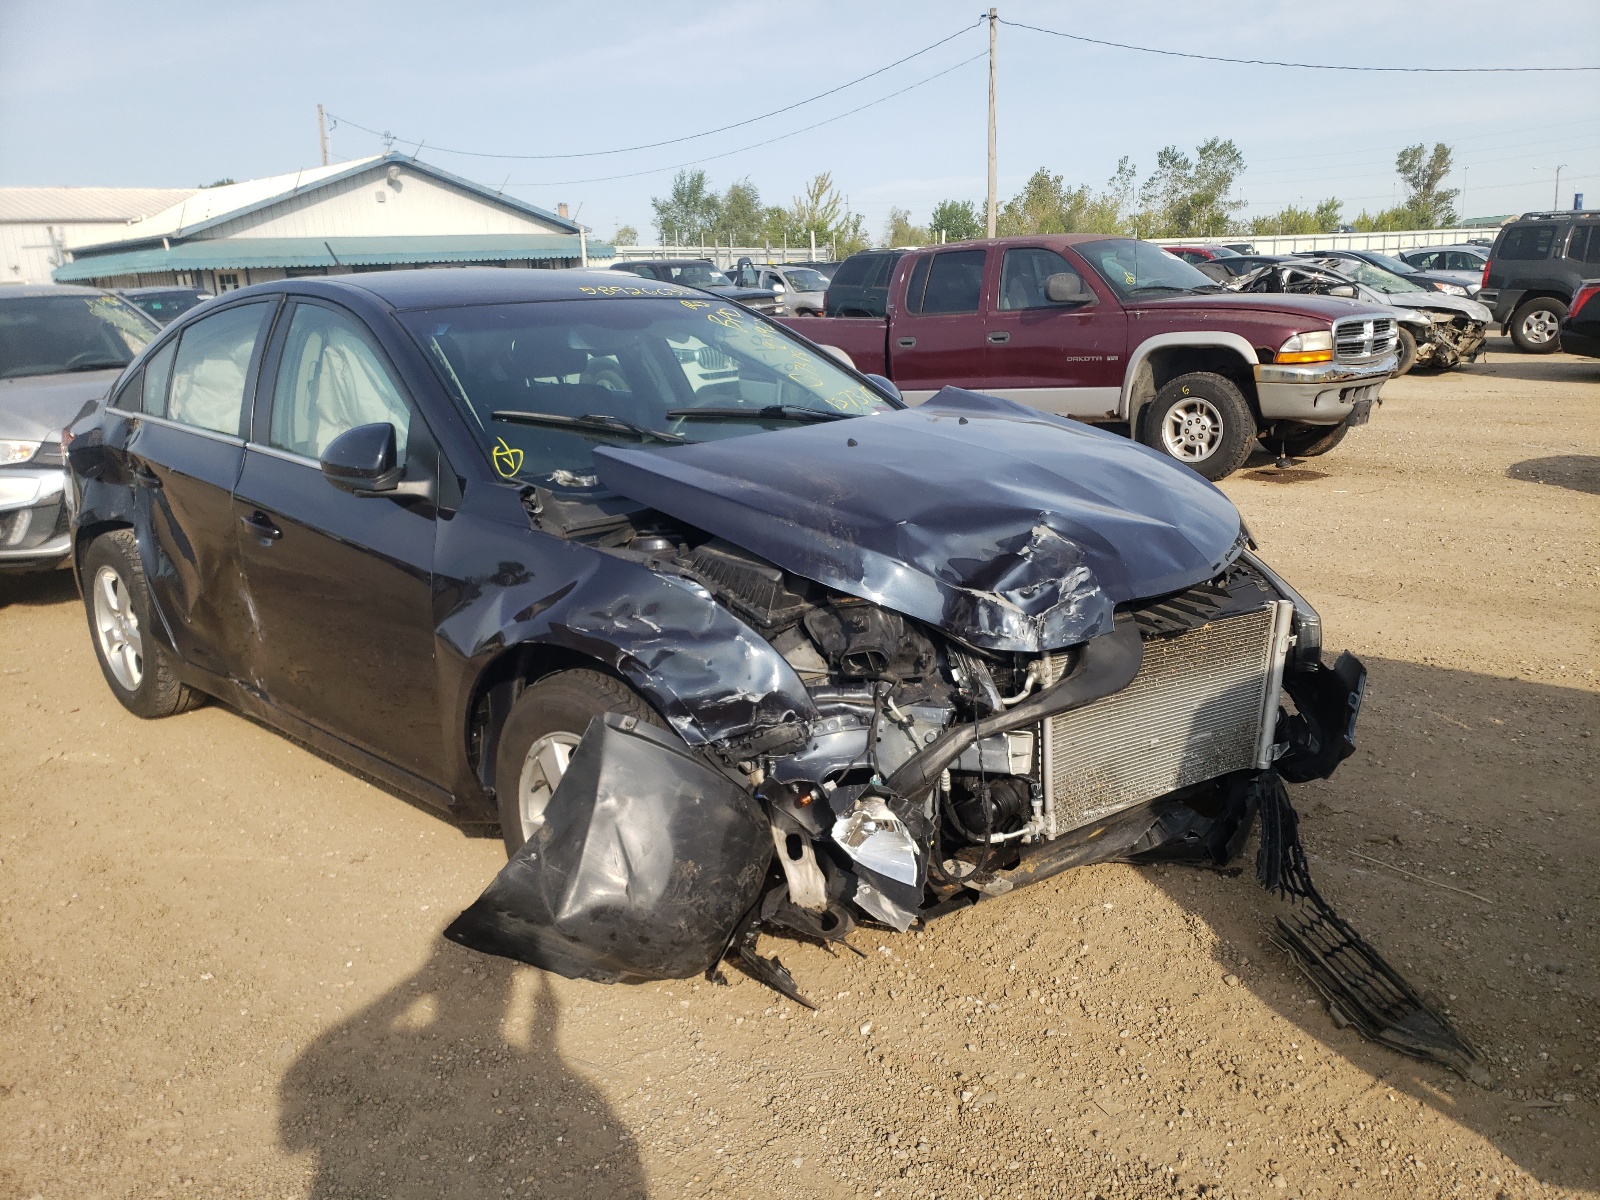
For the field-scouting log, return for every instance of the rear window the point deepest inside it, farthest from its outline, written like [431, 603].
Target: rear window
[853, 271]
[1526, 242]
[1585, 244]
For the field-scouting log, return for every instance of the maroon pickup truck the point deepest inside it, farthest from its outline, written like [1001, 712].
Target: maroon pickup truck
[1118, 332]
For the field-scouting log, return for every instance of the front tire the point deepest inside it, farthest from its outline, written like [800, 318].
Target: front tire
[1406, 349]
[141, 672]
[543, 728]
[1202, 421]
[1536, 325]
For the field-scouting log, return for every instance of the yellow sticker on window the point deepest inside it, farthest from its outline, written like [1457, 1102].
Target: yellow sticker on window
[507, 459]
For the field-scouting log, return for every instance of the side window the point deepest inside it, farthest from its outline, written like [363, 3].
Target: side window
[1592, 254]
[955, 282]
[331, 378]
[918, 284]
[130, 396]
[211, 368]
[1579, 243]
[1528, 242]
[1426, 262]
[853, 271]
[157, 372]
[1023, 274]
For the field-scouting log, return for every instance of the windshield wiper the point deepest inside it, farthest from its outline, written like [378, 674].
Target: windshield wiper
[790, 412]
[589, 422]
[1158, 287]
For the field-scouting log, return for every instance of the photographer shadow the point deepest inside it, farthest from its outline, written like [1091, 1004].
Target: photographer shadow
[452, 1084]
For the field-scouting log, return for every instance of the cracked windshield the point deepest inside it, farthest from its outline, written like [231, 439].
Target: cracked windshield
[544, 383]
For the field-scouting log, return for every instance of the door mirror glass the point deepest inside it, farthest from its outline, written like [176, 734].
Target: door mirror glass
[1066, 287]
[363, 460]
[1345, 290]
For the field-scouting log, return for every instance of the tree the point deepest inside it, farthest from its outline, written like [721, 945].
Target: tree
[899, 231]
[1430, 206]
[820, 210]
[1189, 198]
[1047, 205]
[626, 235]
[219, 183]
[741, 220]
[955, 221]
[690, 212]
[1325, 218]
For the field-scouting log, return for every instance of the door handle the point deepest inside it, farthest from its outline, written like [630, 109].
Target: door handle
[905, 343]
[261, 525]
[998, 338]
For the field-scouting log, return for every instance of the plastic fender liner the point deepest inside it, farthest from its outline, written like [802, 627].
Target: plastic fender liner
[647, 859]
[1323, 734]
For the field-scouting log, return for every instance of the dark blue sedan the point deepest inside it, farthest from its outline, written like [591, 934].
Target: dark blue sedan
[724, 635]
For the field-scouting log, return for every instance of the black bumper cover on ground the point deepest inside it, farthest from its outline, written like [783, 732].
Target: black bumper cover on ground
[646, 861]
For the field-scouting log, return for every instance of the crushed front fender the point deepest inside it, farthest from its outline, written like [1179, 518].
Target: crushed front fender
[647, 859]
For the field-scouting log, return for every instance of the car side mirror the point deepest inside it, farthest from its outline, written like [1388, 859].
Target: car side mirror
[362, 461]
[1346, 291]
[886, 386]
[779, 288]
[1066, 288]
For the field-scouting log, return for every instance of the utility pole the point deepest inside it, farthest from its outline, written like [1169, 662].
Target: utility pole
[322, 135]
[994, 30]
[1555, 204]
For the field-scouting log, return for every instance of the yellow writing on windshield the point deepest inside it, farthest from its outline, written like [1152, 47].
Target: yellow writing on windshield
[507, 458]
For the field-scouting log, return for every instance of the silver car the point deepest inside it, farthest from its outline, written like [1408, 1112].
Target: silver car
[800, 290]
[61, 348]
[1464, 264]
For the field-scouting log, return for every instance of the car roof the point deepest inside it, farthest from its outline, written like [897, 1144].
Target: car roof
[664, 262]
[456, 287]
[13, 291]
[153, 291]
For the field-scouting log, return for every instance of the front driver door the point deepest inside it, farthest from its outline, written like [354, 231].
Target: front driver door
[340, 585]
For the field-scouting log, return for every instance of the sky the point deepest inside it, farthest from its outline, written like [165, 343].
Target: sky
[173, 93]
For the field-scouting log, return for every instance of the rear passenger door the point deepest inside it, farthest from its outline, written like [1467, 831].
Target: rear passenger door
[937, 338]
[184, 453]
[340, 585]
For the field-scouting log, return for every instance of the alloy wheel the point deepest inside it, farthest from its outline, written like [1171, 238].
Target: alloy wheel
[541, 772]
[121, 643]
[1192, 430]
[1541, 326]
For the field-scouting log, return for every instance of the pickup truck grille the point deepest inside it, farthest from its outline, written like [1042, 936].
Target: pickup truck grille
[1363, 337]
[1197, 709]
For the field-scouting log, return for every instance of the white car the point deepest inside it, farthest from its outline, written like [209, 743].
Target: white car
[800, 290]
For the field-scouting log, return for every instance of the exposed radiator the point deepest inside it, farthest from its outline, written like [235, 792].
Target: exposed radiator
[1203, 704]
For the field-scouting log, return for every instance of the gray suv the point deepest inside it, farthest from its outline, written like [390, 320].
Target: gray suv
[1535, 268]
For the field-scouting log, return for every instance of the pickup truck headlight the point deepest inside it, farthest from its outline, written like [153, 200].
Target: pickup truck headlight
[1313, 347]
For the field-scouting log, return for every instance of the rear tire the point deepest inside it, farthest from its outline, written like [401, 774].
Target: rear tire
[544, 726]
[1406, 349]
[1536, 325]
[1202, 421]
[140, 671]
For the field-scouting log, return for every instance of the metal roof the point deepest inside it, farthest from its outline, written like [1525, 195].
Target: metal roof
[42, 205]
[229, 254]
[210, 207]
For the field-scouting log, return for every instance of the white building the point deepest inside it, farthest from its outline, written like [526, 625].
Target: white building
[373, 214]
[38, 225]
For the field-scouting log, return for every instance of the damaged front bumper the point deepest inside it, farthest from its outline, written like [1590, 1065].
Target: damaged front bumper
[1320, 393]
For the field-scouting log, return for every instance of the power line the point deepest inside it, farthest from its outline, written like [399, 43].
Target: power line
[1268, 62]
[756, 145]
[687, 137]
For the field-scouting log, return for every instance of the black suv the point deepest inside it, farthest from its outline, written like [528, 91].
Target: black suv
[860, 287]
[1535, 268]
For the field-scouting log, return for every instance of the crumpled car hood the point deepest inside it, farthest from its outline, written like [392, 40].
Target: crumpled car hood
[37, 407]
[1006, 527]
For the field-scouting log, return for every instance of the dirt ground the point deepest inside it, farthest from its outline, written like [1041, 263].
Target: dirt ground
[221, 970]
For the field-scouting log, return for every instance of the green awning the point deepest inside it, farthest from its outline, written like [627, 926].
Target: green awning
[230, 254]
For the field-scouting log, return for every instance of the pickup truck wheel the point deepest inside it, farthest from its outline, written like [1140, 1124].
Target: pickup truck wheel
[541, 731]
[1406, 350]
[1201, 420]
[1536, 325]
